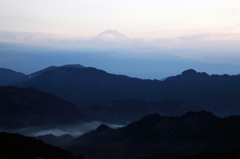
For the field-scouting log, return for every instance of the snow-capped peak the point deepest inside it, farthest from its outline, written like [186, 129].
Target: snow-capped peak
[112, 35]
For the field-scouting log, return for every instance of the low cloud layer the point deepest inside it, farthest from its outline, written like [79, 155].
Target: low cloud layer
[116, 53]
[76, 129]
[114, 39]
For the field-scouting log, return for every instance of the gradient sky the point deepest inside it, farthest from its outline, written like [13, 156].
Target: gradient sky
[173, 34]
[135, 18]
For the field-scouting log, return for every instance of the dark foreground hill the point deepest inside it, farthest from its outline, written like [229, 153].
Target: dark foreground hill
[233, 154]
[86, 86]
[155, 136]
[56, 140]
[8, 77]
[23, 107]
[14, 146]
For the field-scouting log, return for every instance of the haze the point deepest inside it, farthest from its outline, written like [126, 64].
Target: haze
[153, 39]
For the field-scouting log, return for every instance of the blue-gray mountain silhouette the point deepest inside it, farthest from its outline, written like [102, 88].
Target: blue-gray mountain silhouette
[87, 86]
[8, 77]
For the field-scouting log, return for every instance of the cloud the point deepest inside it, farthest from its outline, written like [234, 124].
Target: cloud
[135, 57]
[115, 40]
[76, 129]
[198, 46]
[27, 37]
[211, 37]
[201, 41]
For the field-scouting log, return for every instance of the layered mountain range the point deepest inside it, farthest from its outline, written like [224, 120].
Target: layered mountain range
[25, 107]
[128, 110]
[156, 136]
[193, 135]
[85, 86]
[164, 119]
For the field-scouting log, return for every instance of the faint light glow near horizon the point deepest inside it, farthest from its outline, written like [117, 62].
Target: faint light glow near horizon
[135, 18]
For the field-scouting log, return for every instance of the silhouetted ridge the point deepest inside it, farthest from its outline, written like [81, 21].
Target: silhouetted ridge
[56, 140]
[103, 127]
[201, 114]
[73, 66]
[35, 74]
[23, 107]
[8, 77]
[127, 110]
[166, 137]
[219, 94]
[194, 74]
[14, 146]
[151, 117]
[189, 72]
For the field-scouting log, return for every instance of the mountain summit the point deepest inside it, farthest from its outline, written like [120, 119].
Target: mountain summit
[112, 35]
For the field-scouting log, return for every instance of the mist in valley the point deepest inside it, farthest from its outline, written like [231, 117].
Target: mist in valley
[75, 129]
[120, 79]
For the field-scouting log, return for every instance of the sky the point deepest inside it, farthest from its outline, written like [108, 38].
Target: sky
[206, 31]
[135, 18]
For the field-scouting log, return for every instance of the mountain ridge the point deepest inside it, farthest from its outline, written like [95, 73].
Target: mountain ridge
[8, 77]
[217, 93]
[156, 136]
[26, 107]
[34, 74]
[88, 86]
[128, 110]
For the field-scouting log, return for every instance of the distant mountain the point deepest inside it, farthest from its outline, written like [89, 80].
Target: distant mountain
[156, 136]
[129, 110]
[111, 35]
[56, 140]
[35, 74]
[8, 77]
[87, 86]
[73, 66]
[24, 107]
[18, 146]
[217, 93]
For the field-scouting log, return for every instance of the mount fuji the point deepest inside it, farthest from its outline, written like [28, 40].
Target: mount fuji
[110, 35]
